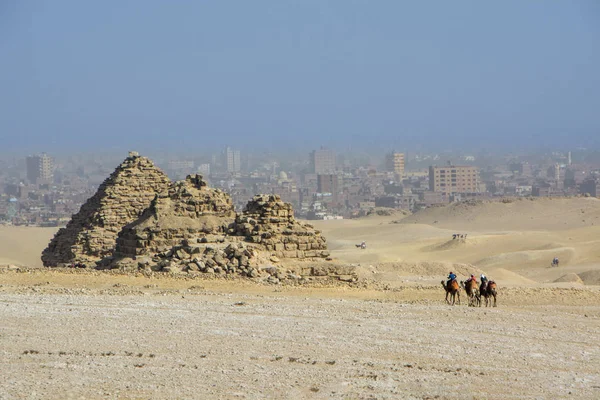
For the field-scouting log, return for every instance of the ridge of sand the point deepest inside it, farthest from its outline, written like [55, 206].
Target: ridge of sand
[571, 278]
[591, 277]
[535, 257]
[514, 214]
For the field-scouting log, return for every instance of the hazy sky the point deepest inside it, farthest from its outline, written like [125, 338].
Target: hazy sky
[196, 74]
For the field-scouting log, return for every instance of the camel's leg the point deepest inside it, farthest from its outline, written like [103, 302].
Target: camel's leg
[447, 297]
[494, 300]
[458, 295]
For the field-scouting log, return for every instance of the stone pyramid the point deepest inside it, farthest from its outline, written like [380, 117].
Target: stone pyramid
[188, 212]
[91, 234]
[269, 222]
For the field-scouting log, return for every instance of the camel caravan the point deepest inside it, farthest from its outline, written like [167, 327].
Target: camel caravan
[487, 289]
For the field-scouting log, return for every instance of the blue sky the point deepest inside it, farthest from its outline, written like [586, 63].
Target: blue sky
[152, 74]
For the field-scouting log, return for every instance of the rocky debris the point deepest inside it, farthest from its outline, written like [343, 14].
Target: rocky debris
[193, 228]
[269, 222]
[234, 258]
[121, 198]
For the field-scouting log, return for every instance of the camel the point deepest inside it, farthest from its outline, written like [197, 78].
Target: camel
[453, 290]
[488, 291]
[470, 287]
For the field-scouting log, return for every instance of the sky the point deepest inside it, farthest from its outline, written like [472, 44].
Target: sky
[157, 74]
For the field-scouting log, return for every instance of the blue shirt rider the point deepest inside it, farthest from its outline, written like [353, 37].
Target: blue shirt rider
[451, 277]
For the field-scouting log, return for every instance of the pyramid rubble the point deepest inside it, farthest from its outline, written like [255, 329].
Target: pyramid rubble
[269, 222]
[188, 211]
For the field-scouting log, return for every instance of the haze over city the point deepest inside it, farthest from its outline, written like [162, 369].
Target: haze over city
[181, 76]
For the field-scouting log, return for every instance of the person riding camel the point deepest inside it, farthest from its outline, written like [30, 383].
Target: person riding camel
[484, 281]
[451, 277]
[471, 278]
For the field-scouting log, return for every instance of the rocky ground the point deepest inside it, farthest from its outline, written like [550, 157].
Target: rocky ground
[99, 335]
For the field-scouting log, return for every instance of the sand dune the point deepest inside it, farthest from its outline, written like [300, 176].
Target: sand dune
[23, 245]
[570, 277]
[591, 277]
[516, 240]
[520, 214]
[529, 257]
[508, 277]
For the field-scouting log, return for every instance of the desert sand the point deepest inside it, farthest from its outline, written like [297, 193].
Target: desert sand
[22, 245]
[92, 334]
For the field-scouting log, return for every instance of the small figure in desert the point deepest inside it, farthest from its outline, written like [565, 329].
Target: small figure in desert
[487, 289]
[451, 287]
[470, 286]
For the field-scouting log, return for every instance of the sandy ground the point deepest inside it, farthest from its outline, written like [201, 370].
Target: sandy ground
[86, 335]
[23, 245]
[91, 334]
[512, 243]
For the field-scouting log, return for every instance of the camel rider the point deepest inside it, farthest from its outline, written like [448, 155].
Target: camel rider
[471, 278]
[484, 281]
[555, 261]
[451, 277]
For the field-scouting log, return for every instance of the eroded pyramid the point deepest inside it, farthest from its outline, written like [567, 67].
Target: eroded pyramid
[91, 234]
[188, 211]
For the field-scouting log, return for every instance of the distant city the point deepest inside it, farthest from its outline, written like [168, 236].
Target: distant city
[45, 191]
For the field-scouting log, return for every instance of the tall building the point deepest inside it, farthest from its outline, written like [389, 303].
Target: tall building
[328, 184]
[394, 162]
[232, 160]
[40, 168]
[553, 172]
[454, 179]
[204, 169]
[322, 161]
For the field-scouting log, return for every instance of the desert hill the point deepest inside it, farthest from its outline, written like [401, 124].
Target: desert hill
[22, 245]
[512, 241]
[513, 214]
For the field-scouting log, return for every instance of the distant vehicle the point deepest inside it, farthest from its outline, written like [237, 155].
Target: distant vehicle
[362, 245]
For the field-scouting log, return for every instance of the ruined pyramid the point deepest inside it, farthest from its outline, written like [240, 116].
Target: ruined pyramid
[269, 222]
[139, 219]
[91, 234]
[188, 211]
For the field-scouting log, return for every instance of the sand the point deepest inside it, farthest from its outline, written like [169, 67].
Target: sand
[23, 245]
[513, 243]
[94, 334]
[82, 334]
